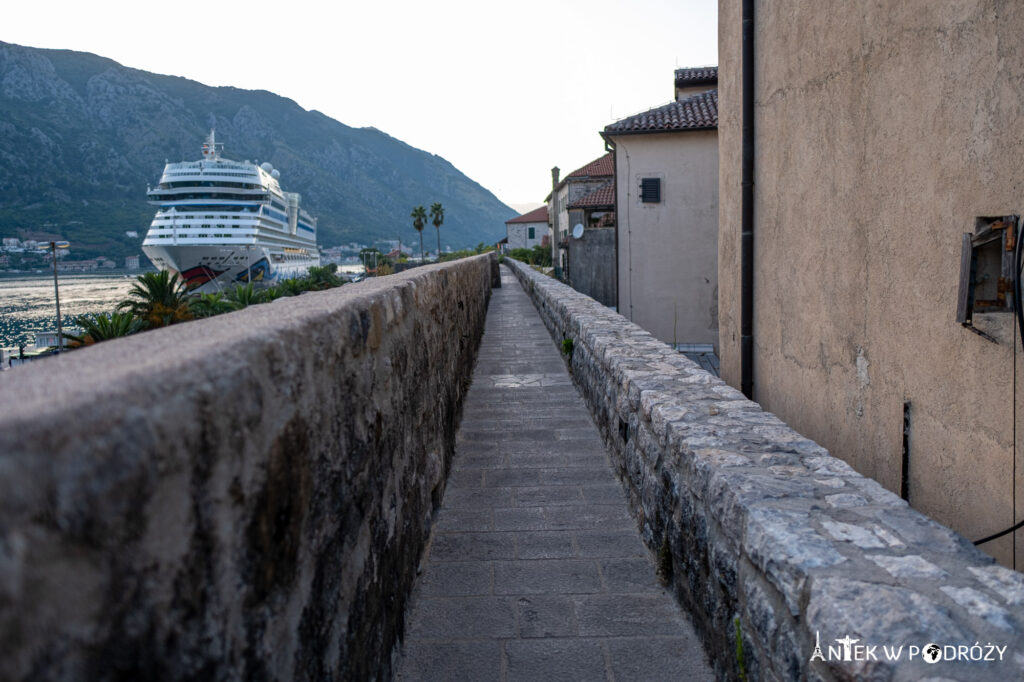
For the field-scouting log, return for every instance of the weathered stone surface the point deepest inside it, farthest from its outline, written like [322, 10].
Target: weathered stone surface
[764, 523]
[243, 497]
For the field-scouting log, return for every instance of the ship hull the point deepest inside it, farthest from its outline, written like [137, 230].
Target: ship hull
[210, 269]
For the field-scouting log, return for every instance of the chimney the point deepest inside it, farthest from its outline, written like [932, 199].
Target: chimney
[553, 210]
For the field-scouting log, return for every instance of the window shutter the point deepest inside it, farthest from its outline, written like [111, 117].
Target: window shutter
[650, 190]
[963, 304]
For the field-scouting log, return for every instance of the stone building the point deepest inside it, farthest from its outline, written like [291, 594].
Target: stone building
[567, 191]
[886, 151]
[666, 164]
[591, 251]
[528, 230]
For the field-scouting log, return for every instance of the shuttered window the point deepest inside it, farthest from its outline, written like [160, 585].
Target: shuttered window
[650, 190]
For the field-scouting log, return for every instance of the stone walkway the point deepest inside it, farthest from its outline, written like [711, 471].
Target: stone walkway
[535, 570]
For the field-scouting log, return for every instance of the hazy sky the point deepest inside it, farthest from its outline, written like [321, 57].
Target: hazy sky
[503, 91]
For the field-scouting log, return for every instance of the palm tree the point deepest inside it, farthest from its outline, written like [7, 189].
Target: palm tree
[208, 305]
[293, 286]
[324, 277]
[158, 299]
[437, 214]
[104, 326]
[245, 295]
[419, 220]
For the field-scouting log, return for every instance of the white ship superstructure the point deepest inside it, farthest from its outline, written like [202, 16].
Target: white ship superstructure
[223, 222]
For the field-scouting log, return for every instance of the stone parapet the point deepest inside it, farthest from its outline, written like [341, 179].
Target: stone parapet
[239, 498]
[770, 542]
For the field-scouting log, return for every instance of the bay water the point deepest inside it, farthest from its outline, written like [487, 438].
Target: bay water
[27, 302]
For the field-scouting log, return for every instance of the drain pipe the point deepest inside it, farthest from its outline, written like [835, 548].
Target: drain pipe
[747, 209]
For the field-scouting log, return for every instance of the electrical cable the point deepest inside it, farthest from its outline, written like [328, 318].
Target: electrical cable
[1018, 308]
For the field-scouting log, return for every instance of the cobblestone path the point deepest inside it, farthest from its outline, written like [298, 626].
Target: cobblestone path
[535, 570]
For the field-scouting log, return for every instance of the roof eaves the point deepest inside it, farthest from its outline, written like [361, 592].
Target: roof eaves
[658, 131]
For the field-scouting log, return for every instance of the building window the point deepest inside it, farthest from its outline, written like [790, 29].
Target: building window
[531, 234]
[986, 268]
[650, 190]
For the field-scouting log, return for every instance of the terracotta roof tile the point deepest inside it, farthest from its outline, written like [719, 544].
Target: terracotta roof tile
[598, 168]
[698, 112]
[702, 75]
[537, 215]
[603, 196]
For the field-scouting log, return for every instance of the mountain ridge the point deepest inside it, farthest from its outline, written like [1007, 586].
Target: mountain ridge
[81, 136]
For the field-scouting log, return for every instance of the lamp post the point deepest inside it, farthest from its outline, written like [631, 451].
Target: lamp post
[54, 245]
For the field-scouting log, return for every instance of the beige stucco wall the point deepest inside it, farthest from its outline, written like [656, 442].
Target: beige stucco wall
[668, 276]
[883, 130]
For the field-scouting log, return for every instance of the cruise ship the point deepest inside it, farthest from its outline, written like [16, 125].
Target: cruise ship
[222, 223]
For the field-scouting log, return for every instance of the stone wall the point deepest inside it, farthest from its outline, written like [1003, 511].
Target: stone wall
[239, 498]
[592, 264]
[764, 534]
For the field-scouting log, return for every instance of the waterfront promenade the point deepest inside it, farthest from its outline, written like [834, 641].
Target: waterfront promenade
[535, 569]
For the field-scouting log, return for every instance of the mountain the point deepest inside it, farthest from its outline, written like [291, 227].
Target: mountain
[82, 136]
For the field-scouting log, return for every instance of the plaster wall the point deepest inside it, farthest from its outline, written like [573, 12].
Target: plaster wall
[244, 497]
[882, 131]
[668, 251]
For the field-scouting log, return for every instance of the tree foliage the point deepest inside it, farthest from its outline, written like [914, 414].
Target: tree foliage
[437, 217]
[104, 326]
[158, 298]
[419, 220]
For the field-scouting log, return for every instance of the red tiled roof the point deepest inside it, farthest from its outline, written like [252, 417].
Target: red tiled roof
[699, 112]
[702, 75]
[537, 215]
[598, 168]
[602, 197]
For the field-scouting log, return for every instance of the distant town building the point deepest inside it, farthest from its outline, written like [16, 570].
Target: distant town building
[132, 234]
[591, 245]
[11, 242]
[574, 186]
[131, 262]
[78, 265]
[527, 230]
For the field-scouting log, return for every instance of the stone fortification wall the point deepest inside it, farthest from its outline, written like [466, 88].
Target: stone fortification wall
[243, 497]
[764, 533]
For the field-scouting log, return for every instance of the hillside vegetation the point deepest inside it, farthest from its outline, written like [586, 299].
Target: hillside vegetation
[81, 137]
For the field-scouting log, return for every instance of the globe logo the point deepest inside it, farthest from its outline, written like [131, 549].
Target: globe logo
[932, 653]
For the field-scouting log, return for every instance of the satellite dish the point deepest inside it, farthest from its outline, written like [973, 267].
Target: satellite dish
[276, 174]
[577, 231]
